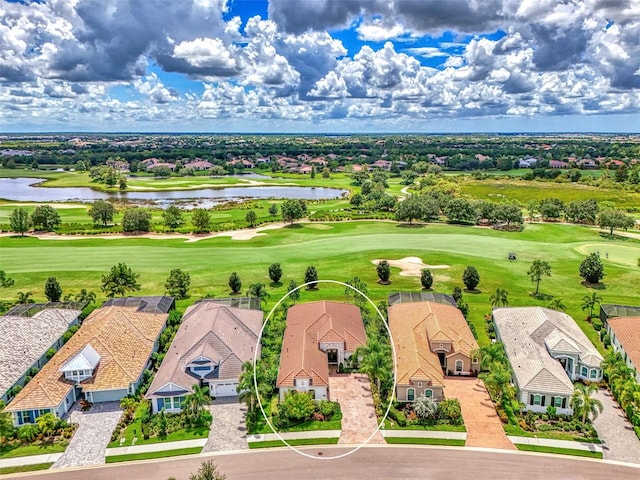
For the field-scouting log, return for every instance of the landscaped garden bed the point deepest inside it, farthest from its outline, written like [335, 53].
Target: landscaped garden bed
[48, 435]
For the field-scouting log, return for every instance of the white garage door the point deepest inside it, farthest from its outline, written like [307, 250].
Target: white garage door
[224, 389]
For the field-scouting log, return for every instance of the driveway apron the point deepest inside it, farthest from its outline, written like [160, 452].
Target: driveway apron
[228, 429]
[89, 443]
[619, 442]
[359, 420]
[484, 428]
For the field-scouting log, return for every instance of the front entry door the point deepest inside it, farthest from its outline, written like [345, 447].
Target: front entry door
[332, 353]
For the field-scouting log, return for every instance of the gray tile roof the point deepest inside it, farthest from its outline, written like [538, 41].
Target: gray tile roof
[26, 339]
[225, 335]
[527, 332]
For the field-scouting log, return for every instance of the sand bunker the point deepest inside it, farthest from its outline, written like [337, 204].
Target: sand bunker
[410, 266]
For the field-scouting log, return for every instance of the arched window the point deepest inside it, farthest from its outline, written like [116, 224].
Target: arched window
[593, 373]
[428, 393]
[584, 371]
[411, 394]
[458, 365]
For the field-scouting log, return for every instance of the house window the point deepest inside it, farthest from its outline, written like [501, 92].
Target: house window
[536, 399]
[419, 384]
[474, 359]
[411, 394]
[201, 369]
[160, 403]
[458, 365]
[557, 402]
[428, 393]
[584, 371]
[593, 373]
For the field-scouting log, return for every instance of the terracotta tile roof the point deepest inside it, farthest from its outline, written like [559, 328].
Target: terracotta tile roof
[225, 335]
[413, 325]
[124, 339]
[307, 325]
[26, 339]
[627, 331]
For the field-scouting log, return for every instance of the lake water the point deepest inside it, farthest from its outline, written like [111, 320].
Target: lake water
[23, 190]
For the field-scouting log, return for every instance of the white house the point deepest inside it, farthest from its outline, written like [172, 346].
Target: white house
[547, 351]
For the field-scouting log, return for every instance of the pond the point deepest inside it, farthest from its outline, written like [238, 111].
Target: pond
[25, 190]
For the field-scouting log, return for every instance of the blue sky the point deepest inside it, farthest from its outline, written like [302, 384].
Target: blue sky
[320, 66]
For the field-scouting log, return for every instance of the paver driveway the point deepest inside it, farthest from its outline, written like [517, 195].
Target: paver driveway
[228, 428]
[359, 419]
[619, 442]
[89, 443]
[484, 428]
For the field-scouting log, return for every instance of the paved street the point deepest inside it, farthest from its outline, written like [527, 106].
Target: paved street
[88, 445]
[359, 419]
[374, 462]
[619, 442]
[228, 429]
[484, 428]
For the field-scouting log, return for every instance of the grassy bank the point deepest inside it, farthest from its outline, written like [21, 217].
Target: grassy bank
[425, 441]
[293, 443]
[150, 455]
[25, 468]
[558, 451]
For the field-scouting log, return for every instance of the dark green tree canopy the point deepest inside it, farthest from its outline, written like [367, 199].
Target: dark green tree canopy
[52, 289]
[45, 218]
[119, 281]
[172, 217]
[136, 219]
[426, 278]
[592, 269]
[275, 272]
[201, 220]
[384, 271]
[178, 283]
[471, 277]
[235, 284]
[19, 221]
[293, 209]
[310, 277]
[102, 211]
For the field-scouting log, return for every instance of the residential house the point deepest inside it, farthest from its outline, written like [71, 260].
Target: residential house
[209, 348]
[558, 164]
[198, 164]
[26, 341]
[382, 165]
[430, 339]
[529, 162]
[317, 335]
[625, 339]
[547, 351]
[610, 310]
[104, 361]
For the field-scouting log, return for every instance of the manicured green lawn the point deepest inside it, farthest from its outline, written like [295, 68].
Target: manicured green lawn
[429, 428]
[559, 451]
[426, 441]
[183, 434]
[341, 251]
[25, 468]
[146, 456]
[294, 443]
[29, 450]
[554, 435]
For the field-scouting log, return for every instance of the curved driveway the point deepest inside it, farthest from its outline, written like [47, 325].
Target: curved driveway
[388, 462]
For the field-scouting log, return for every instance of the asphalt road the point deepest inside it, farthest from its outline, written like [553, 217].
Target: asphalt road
[388, 462]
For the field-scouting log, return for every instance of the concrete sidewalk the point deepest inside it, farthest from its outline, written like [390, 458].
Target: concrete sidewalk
[30, 460]
[548, 442]
[156, 447]
[263, 437]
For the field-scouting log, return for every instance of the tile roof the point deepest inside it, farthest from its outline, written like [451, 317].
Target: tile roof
[308, 324]
[124, 339]
[528, 332]
[627, 331]
[225, 335]
[413, 325]
[26, 339]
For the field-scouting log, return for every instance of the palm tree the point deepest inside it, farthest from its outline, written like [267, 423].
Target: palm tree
[195, 402]
[25, 297]
[86, 296]
[46, 423]
[501, 297]
[375, 361]
[583, 404]
[246, 387]
[497, 381]
[493, 354]
[129, 405]
[258, 290]
[557, 304]
[589, 302]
